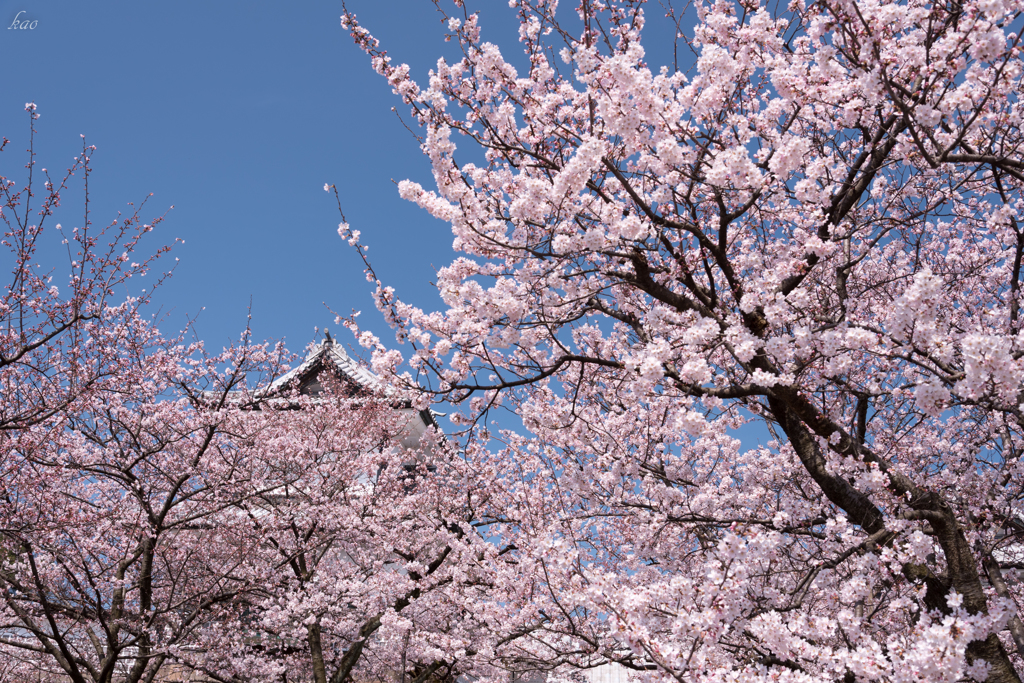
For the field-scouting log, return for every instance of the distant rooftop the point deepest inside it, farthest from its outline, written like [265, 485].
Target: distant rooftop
[329, 355]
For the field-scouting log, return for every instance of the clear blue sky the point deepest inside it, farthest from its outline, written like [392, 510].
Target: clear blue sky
[237, 113]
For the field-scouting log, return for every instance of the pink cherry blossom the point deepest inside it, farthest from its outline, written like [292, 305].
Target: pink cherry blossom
[810, 233]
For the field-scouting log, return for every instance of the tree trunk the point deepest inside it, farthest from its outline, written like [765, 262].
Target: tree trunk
[316, 652]
[961, 564]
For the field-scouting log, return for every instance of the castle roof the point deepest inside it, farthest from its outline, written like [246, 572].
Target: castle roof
[355, 379]
[330, 356]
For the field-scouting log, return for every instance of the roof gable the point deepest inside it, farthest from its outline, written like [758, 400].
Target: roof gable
[327, 363]
[328, 357]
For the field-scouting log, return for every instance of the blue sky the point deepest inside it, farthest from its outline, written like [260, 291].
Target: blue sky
[237, 114]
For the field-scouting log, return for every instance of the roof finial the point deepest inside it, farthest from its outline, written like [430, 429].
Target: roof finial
[327, 338]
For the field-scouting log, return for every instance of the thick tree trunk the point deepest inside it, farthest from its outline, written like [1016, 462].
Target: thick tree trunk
[961, 565]
[316, 652]
[962, 568]
[995, 577]
[355, 650]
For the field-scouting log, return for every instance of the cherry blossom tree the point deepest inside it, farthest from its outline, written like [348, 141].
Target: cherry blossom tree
[118, 534]
[168, 512]
[364, 556]
[119, 455]
[191, 521]
[813, 227]
[57, 337]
